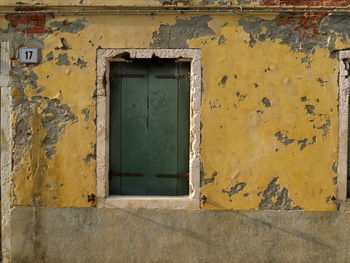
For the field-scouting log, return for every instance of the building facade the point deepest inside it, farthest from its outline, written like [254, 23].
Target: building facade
[263, 128]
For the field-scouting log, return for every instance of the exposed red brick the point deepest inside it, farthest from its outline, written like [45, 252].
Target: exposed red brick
[30, 23]
[307, 24]
[11, 17]
[38, 17]
[35, 30]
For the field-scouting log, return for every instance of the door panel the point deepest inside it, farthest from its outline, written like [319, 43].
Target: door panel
[183, 127]
[114, 129]
[134, 132]
[162, 129]
[149, 128]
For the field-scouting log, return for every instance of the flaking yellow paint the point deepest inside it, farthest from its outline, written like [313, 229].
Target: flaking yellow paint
[239, 141]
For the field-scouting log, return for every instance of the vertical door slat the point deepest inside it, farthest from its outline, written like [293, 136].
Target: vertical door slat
[114, 128]
[134, 132]
[162, 129]
[183, 128]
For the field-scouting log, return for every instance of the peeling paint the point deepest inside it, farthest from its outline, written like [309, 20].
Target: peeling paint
[223, 80]
[303, 143]
[310, 109]
[62, 60]
[81, 63]
[57, 117]
[67, 26]
[210, 180]
[90, 157]
[86, 113]
[221, 40]
[303, 99]
[266, 102]
[335, 167]
[276, 198]
[263, 99]
[49, 56]
[325, 127]
[297, 31]
[235, 189]
[176, 36]
[64, 44]
[283, 138]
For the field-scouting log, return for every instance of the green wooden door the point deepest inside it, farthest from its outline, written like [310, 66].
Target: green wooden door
[149, 128]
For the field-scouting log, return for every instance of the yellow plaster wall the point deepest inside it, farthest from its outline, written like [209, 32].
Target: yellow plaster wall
[239, 143]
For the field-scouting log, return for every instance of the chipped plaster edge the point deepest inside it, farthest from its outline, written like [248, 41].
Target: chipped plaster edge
[6, 150]
[103, 200]
[344, 86]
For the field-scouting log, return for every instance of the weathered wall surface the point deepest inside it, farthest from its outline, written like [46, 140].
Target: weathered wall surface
[269, 137]
[92, 235]
[269, 105]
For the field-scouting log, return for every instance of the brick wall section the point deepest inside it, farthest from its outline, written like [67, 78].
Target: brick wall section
[28, 23]
[306, 24]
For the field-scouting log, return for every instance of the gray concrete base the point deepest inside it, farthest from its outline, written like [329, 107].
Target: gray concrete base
[94, 235]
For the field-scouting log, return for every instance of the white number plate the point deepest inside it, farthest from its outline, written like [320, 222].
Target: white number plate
[28, 55]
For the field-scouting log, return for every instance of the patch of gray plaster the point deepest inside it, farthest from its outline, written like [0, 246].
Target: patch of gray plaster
[49, 56]
[303, 143]
[314, 139]
[307, 61]
[86, 113]
[322, 81]
[28, 77]
[334, 167]
[338, 24]
[210, 180]
[266, 102]
[224, 80]
[287, 29]
[56, 116]
[276, 198]
[283, 138]
[310, 109]
[90, 157]
[325, 127]
[66, 26]
[235, 189]
[64, 45]
[240, 96]
[176, 36]
[62, 60]
[335, 180]
[303, 99]
[81, 63]
[222, 40]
